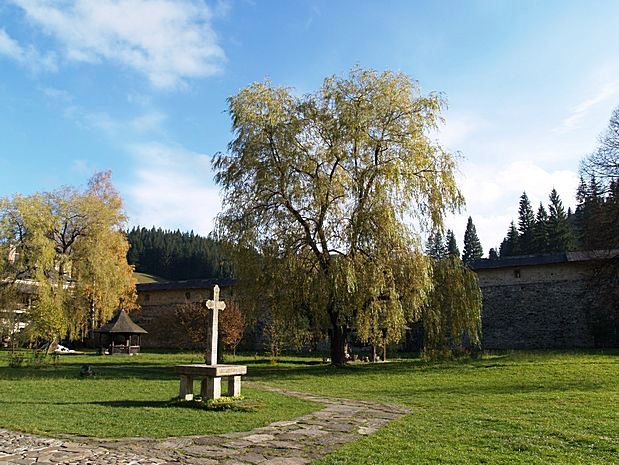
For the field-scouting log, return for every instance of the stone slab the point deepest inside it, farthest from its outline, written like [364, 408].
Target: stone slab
[211, 370]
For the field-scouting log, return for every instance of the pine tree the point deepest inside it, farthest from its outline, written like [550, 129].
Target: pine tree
[560, 236]
[435, 247]
[540, 231]
[472, 245]
[492, 254]
[526, 223]
[452, 244]
[510, 245]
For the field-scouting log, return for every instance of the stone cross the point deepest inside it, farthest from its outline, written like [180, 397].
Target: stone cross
[211, 332]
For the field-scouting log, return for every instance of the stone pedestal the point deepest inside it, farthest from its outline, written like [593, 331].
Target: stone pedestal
[211, 388]
[211, 380]
[234, 386]
[186, 388]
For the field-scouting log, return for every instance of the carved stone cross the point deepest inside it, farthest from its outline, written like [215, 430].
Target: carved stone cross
[211, 331]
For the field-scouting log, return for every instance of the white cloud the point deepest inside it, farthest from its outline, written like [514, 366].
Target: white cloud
[580, 111]
[10, 47]
[166, 40]
[173, 188]
[148, 121]
[114, 127]
[57, 94]
[26, 56]
[492, 193]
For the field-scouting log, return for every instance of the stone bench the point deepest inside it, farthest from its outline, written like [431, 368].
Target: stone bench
[210, 375]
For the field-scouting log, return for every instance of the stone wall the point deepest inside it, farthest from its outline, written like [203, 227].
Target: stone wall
[158, 312]
[536, 307]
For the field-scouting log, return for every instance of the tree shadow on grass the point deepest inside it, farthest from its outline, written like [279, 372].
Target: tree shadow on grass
[72, 371]
[109, 403]
[243, 405]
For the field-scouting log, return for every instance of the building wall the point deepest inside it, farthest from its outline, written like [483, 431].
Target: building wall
[536, 307]
[158, 315]
[524, 307]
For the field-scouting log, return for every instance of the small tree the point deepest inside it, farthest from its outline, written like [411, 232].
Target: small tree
[540, 230]
[511, 244]
[231, 326]
[472, 245]
[435, 247]
[194, 318]
[452, 244]
[560, 238]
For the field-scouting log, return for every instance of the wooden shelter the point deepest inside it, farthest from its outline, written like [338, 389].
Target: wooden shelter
[123, 335]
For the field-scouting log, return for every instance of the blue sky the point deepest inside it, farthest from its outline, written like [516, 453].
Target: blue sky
[140, 87]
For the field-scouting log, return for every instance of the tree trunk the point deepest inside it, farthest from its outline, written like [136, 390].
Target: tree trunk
[384, 345]
[339, 337]
[338, 344]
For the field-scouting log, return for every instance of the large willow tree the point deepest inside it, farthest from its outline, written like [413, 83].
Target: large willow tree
[68, 248]
[325, 195]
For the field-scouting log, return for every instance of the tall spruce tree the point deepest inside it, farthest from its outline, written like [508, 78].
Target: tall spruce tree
[435, 247]
[452, 244]
[510, 245]
[526, 224]
[492, 254]
[540, 230]
[472, 245]
[560, 236]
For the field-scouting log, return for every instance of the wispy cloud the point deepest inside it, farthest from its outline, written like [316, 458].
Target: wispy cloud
[116, 128]
[580, 111]
[26, 56]
[172, 188]
[168, 41]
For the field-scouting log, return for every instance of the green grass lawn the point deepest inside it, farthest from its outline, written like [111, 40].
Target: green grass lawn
[128, 396]
[521, 408]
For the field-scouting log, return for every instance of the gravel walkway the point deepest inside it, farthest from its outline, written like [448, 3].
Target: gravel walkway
[294, 442]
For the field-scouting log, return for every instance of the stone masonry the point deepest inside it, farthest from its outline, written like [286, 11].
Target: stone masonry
[536, 302]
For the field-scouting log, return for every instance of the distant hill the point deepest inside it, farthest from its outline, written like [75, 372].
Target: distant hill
[176, 255]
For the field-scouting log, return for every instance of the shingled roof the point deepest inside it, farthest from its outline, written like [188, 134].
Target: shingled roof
[544, 259]
[121, 324]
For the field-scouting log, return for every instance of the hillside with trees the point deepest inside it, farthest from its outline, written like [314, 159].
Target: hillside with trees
[176, 255]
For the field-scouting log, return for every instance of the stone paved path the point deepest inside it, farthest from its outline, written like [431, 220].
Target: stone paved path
[294, 442]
